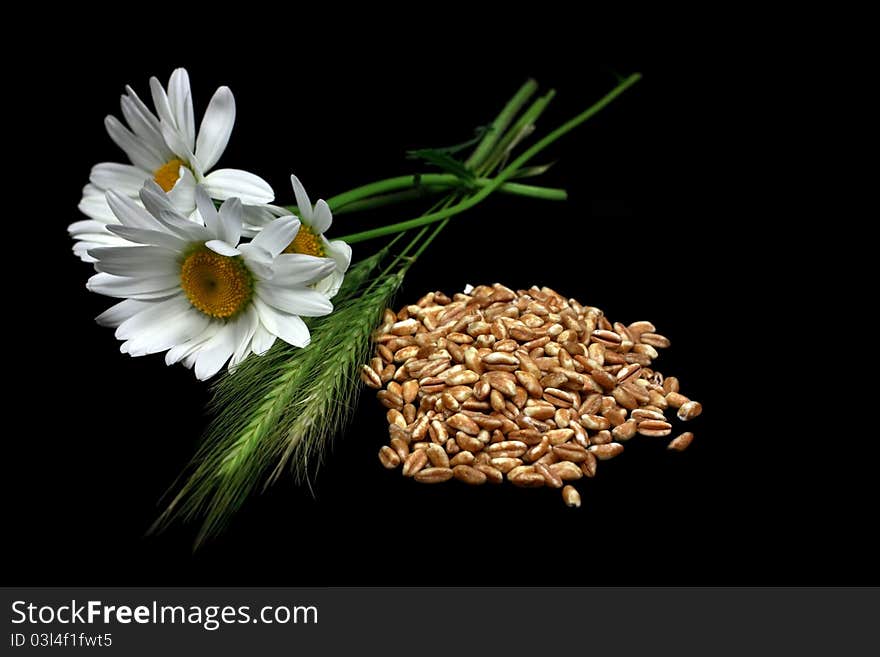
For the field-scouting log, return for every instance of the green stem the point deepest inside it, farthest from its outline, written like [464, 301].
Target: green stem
[516, 134]
[424, 245]
[384, 192]
[499, 125]
[502, 177]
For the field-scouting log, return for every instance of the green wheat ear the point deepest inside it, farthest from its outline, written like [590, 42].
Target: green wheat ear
[279, 409]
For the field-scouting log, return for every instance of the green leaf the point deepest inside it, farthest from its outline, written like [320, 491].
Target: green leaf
[442, 160]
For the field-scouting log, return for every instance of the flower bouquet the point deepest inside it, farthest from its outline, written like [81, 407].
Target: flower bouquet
[212, 272]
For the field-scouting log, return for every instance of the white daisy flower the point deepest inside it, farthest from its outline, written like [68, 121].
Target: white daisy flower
[310, 240]
[165, 149]
[193, 290]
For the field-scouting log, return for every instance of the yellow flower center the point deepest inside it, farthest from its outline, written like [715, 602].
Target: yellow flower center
[167, 174]
[308, 242]
[219, 286]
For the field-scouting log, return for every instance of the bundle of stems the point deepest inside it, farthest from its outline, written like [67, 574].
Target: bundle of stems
[280, 410]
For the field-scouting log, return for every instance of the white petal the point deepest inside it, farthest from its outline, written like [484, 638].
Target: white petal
[340, 252]
[183, 194]
[138, 261]
[159, 205]
[81, 249]
[172, 330]
[304, 301]
[95, 207]
[130, 213]
[215, 352]
[255, 218]
[152, 237]
[103, 239]
[303, 204]
[330, 285]
[216, 128]
[322, 218]
[258, 260]
[144, 124]
[154, 198]
[139, 154]
[221, 247]
[86, 226]
[171, 132]
[293, 331]
[245, 326]
[160, 102]
[298, 269]
[230, 221]
[153, 313]
[155, 287]
[268, 316]
[262, 340]
[208, 212]
[187, 349]
[228, 183]
[260, 215]
[185, 229]
[118, 313]
[123, 178]
[177, 144]
[180, 99]
[289, 328]
[278, 235]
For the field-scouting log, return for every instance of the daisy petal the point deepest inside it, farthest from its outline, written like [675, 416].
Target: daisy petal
[129, 213]
[183, 194]
[268, 316]
[340, 252]
[262, 340]
[86, 226]
[303, 204]
[144, 124]
[258, 260]
[139, 261]
[171, 132]
[180, 100]
[304, 301]
[157, 312]
[155, 287]
[180, 328]
[230, 221]
[221, 247]
[137, 152]
[216, 128]
[122, 178]
[151, 237]
[245, 327]
[165, 330]
[118, 313]
[154, 198]
[95, 207]
[297, 269]
[215, 353]
[185, 350]
[183, 228]
[227, 183]
[208, 212]
[294, 331]
[277, 236]
[322, 218]
[329, 285]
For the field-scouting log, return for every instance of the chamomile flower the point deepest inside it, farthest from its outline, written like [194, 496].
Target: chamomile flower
[166, 150]
[310, 240]
[193, 290]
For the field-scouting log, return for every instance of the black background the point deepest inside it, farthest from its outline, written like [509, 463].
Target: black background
[655, 228]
